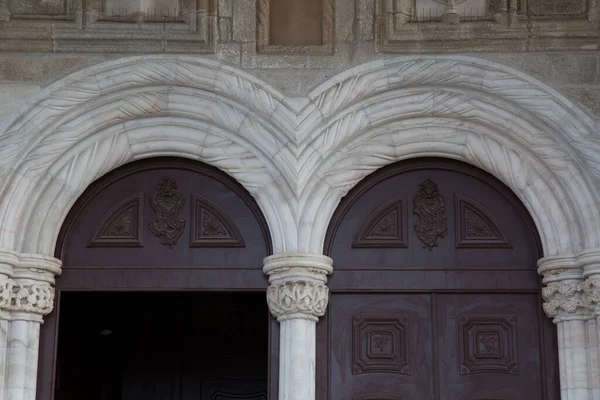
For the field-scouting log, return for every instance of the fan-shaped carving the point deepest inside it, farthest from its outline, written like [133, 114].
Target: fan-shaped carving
[121, 226]
[386, 227]
[474, 226]
[211, 227]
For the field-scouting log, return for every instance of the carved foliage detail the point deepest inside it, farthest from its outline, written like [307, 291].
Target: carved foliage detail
[210, 227]
[474, 226]
[35, 298]
[167, 203]
[488, 343]
[121, 226]
[430, 208]
[297, 299]
[380, 345]
[231, 396]
[386, 227]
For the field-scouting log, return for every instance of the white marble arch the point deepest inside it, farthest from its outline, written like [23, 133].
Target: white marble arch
[299, 156]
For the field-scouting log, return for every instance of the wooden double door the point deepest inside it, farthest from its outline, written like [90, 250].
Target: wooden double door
[435, 294]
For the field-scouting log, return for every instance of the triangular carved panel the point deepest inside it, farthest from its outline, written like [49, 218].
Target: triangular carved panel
[386, 227]
[121, 226]
[475, 228]
[211, 227]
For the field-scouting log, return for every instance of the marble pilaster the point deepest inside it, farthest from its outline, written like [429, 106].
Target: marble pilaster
[297, 297]
[26, 296]
[571, 299]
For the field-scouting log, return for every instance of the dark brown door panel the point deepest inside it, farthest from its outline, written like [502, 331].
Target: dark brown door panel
[381, 345]
[488, 346]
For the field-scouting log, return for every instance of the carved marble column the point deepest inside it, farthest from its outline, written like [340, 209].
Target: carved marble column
[567, 301]
[297, 297]
[26, 295]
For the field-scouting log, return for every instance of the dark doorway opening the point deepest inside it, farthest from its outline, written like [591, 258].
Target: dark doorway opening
[162, 345]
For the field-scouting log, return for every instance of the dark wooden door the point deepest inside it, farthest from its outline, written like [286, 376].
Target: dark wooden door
[149, 248]
[435, 293]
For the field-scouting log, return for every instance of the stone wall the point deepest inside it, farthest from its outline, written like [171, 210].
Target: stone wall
[574, 74]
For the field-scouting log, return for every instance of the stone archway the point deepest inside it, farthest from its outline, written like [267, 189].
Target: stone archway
[298, 157]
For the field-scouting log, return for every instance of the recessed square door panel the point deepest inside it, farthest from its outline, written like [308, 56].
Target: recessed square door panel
[488, 346]
[381, 347]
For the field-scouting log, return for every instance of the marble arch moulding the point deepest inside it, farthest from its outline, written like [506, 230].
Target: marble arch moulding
[299, 156]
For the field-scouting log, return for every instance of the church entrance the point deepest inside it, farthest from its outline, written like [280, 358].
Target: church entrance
[162, 294]
[434, 293]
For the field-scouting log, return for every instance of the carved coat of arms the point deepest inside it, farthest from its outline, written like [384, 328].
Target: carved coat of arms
[167, 203]
[430, 209]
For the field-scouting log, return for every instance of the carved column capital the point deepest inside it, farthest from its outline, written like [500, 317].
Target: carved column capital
[298, 285]
[563, 296]
[565, 301]
[26, 280]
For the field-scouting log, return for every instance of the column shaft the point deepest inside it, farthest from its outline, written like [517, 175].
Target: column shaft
[297, 354]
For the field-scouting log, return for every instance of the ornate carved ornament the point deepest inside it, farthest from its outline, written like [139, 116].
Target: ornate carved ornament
[210, 227]
[386, 227]
[429, 208]
[299, 299]
[591, 288]
[167, 203]
[565, 299]
[122, 225]
[474, 226]
[35, 298]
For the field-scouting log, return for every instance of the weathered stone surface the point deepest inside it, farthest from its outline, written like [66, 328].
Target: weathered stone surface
[13, 95]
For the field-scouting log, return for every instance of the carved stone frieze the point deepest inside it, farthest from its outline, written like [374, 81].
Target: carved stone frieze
[167, 203]
[418, 26]
[37, 298]
[153, 26]
[430, 208]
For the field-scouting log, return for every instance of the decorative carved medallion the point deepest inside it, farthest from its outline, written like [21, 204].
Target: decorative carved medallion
[386, 227]
[210, 227]
[380, 345]
[474, 226]
[121, 226]
[430, 209]
[233, 396]
[488, 343]
[167, 203]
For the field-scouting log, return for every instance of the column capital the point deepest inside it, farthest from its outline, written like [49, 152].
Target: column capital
[26, 280]
[573, 285]
[298, 285]
[565, 300]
